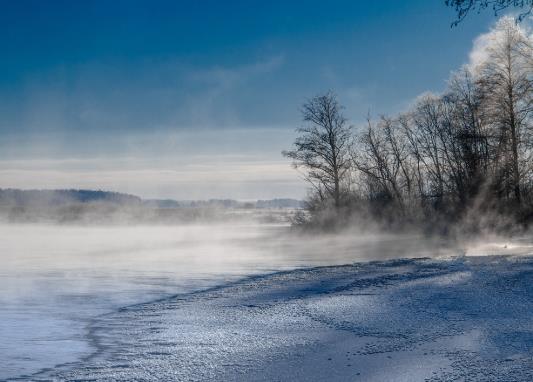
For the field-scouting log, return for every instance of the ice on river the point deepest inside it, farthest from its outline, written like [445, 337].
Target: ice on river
[399, 320]
[163, 303]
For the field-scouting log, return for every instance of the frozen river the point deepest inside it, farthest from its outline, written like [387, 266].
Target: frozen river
[55, 279]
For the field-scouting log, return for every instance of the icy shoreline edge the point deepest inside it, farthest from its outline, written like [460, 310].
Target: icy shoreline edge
[421, 319]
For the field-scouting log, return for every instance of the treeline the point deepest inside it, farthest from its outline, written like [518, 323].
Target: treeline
[105, 207]
[29, 198]
[461, 158]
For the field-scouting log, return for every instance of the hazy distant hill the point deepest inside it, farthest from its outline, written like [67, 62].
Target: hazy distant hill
[25, 198]
[161, 203]
[89, 206]
[279, 203]
[43, 198]
[225, 203]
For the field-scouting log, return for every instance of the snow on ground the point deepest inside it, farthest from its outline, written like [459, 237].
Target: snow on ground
[468, 318]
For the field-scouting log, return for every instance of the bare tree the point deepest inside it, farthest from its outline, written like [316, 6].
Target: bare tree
[426, 124]
[382, 156]
[322, 148]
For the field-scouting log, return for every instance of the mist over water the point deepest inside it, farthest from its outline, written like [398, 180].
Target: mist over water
[54, 279]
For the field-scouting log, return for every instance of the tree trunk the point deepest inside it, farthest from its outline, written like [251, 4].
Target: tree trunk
[516, 173]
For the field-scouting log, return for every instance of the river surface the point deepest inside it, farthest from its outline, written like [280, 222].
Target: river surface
[55, 279]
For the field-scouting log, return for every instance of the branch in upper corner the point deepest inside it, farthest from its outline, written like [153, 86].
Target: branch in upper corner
[464, 7]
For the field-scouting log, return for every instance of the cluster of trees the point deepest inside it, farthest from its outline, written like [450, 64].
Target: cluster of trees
[462, 156]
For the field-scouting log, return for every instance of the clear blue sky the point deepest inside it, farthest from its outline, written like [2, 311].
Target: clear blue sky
[158, 98]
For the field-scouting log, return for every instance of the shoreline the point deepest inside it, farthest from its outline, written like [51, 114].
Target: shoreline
[93, 343]
[299, 323]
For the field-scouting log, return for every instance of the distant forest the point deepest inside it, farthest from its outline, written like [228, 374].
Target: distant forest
[462, 159]
[97, 207]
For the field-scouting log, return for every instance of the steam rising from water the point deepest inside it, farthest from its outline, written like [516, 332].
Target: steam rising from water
[55, 279]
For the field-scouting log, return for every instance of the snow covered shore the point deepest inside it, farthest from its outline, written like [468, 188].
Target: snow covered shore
[400, 320]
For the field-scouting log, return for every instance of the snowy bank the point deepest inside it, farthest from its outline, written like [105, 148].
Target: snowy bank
[400, 320]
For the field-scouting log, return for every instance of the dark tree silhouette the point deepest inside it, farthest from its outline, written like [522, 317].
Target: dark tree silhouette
[322, 148]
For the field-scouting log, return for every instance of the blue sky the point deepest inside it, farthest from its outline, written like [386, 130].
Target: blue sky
[196, 99]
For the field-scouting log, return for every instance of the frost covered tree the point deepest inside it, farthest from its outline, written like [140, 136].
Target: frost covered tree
[505, 78]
